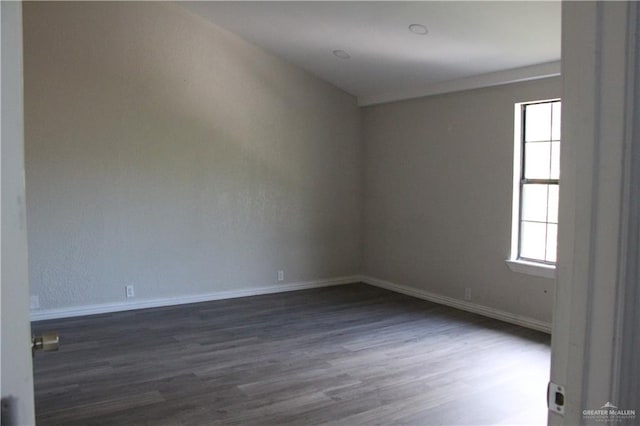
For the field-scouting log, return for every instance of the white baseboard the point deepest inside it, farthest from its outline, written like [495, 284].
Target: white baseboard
[77, 311]
[460, 304]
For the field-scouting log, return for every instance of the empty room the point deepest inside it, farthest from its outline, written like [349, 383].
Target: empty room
[354, 213]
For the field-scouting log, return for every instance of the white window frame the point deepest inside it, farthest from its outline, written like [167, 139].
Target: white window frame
[539, 269]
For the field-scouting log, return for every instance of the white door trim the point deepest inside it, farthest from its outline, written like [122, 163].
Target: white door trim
[17, 372]
[596, 116]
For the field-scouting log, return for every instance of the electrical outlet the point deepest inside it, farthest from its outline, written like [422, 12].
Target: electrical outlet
[34, 302]
[467, 293]
[280, 275]
[130, 291]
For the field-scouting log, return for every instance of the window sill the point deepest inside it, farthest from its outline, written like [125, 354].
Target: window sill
[531, 268]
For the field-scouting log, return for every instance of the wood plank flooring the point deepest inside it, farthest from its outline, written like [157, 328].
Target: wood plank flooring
[344, 355]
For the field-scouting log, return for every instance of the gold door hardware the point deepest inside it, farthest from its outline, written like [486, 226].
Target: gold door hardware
[47, 342]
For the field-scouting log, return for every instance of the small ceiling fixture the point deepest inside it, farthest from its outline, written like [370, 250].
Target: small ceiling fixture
[418, 29]
[341, 54]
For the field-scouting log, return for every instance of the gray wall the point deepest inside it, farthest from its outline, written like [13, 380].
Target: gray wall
[166, 153]
[438, 191]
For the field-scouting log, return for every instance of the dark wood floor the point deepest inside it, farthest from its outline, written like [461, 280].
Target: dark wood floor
[345, 355]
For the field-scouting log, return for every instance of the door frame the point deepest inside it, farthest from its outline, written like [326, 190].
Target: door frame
[597, 216]
[15, 354]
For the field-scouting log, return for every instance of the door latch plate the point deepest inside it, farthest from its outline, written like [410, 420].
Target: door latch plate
[556, 398]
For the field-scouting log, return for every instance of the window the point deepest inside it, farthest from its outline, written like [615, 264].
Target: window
[536, 183]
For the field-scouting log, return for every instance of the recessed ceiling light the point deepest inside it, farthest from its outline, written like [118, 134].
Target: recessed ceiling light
[418, 29]
[341, 54]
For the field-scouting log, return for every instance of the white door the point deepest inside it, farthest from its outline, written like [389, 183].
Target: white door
[15, 353]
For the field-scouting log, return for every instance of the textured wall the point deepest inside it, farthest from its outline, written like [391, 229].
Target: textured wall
[166, 153]
[438, 191]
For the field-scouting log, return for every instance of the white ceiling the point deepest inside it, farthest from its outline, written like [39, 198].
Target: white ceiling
[469, 44]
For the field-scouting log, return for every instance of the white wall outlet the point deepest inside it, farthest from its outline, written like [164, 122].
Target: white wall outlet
[34, 302]
[281, 275]
[130, 291]
[467, 293]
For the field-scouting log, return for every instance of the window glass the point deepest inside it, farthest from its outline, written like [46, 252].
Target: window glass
[539, 181]
[538, 122]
